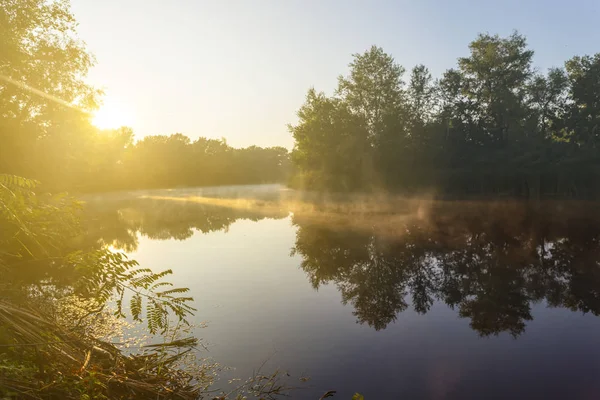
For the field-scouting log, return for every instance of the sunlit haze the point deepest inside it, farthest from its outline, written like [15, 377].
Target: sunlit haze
[113, 114]
[240, 69]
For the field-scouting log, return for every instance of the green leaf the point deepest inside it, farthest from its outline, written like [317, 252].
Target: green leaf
[136, 306]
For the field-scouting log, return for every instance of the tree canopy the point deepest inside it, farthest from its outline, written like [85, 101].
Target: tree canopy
[493, 125]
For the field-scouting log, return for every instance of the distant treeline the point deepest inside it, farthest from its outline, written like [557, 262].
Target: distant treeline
[110, 160]
[492, 126]
[175, 161]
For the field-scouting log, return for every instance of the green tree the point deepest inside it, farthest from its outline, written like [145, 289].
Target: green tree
[547, 100]
[421, 97]
[375, 93]
[331, 144]
[42, 87]
[373, 89]
[494, 76]
[583, 113]
[491, 126]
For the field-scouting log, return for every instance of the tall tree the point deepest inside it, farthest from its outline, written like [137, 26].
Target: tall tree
[421, 96]
[331, 144]
[42, 70]
[584, 108]
[373, 89]
[547, 100]
[375, 93]
[494, 78]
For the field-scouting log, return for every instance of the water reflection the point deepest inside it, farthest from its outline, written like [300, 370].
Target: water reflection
[163, 215]
[489, 262]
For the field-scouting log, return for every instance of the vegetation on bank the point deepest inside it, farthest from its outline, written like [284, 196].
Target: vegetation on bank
[493, 126]
[54, 314]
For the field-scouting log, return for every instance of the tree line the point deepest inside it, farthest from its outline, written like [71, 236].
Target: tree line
[111, 160]
[493, 125]
[163, 161]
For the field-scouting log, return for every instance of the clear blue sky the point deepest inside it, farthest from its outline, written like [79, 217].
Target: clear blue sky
[240, 69]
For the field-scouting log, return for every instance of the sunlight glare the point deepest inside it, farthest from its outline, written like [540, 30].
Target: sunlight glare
[111, 115]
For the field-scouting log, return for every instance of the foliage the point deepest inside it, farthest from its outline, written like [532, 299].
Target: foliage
[40, 359]
[43, 95]
[41, 274]
[105, 273]
[330, 143]
[36, 230]
[175, 161]
[490, 126]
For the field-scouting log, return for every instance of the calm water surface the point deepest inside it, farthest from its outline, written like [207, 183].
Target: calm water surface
[427, 301]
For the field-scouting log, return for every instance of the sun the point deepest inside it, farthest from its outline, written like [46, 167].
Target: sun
[111, 115]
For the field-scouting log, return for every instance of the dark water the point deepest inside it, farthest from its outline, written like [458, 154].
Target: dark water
[421, 300]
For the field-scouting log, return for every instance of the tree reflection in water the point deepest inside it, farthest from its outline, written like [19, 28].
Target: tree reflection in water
[489, 261]
[119, 221]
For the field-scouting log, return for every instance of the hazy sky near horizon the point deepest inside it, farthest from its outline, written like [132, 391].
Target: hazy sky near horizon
[241, 69]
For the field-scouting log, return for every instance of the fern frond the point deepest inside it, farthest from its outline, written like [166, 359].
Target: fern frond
[14, 181]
